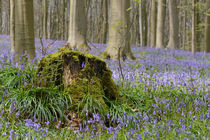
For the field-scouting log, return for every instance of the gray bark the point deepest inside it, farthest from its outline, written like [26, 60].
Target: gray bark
[160, 23]
[106, 24]
[119, 37]
[24, 29]
[193, 27]
[45, 10]
[207, 29]
[174, 26]
[141, 24]
[12, 25]
[153, 24]
[77, 25]
[0, 17]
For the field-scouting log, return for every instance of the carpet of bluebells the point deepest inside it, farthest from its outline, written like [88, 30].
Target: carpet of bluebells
[165, 95]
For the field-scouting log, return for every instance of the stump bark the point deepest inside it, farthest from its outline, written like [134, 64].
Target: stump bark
[78, 74]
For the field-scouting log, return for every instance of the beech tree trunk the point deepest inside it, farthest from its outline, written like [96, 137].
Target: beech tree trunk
[22, 25]
[12, 25]
[193, 27]
[143, 23]
[45, 19]
[106, 24]
[0, 17]
[77, 25]
[119, 37]
[153, 24]
[174, 25]
[207, 29]
[63, 20]
[160, 23]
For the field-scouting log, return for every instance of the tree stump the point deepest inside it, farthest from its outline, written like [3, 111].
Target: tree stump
[78, 74]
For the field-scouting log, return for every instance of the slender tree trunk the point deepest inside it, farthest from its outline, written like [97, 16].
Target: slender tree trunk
[106, 24]
[185, 29]
[58, 20]
[197, 28]
[67, 3]
[207, 29]
[12, 25]
[119, 37]
[63, 20]
[160, 23]
[24, 29]
[174, 25]
[41, 17]
[141, 24]
[45, 18]
[193, 27]
[153, 24]
[8, 19]
[77, 25]
[0, 17]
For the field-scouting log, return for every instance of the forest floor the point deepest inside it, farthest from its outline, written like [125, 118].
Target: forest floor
[165, 96]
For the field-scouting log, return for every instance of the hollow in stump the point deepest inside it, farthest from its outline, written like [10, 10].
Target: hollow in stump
[79, 74]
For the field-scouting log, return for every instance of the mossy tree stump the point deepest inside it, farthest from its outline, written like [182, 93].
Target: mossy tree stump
[78, 74]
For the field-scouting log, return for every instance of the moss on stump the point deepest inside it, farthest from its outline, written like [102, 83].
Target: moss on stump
[78, 74]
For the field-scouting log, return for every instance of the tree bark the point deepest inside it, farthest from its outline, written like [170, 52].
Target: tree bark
[24, 29]
[144, 13]
[12, 25]
[45, 19]
[0, 17]
[106, 24]
[160, 23]
[153, 24]
[119, 37]
[207, 28]
[197, 28]
[193, 27]
[77, 25]
[63, 20]
[141, 24]
[173, 19]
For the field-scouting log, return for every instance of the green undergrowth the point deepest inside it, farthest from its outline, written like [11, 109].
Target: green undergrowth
[145, 112]
[90, 84]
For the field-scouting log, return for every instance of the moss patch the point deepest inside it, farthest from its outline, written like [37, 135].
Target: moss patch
[79, 74]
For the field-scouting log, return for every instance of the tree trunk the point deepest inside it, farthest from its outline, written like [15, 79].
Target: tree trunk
[160, 23]
[207, 28]
[24, 29]
[77, 25]
[63, 20]
[141, 24]
[0, 17]
[106, 24]
[119, 37]
[193, 27]
[144, 22]
[197, 28]
[12, 25]
[173, 19]
[153, 24]
[45, 19]
[184, 42]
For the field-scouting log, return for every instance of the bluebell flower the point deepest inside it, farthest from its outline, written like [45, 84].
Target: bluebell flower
[17, 114]
[4, 133]
[47, 123]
